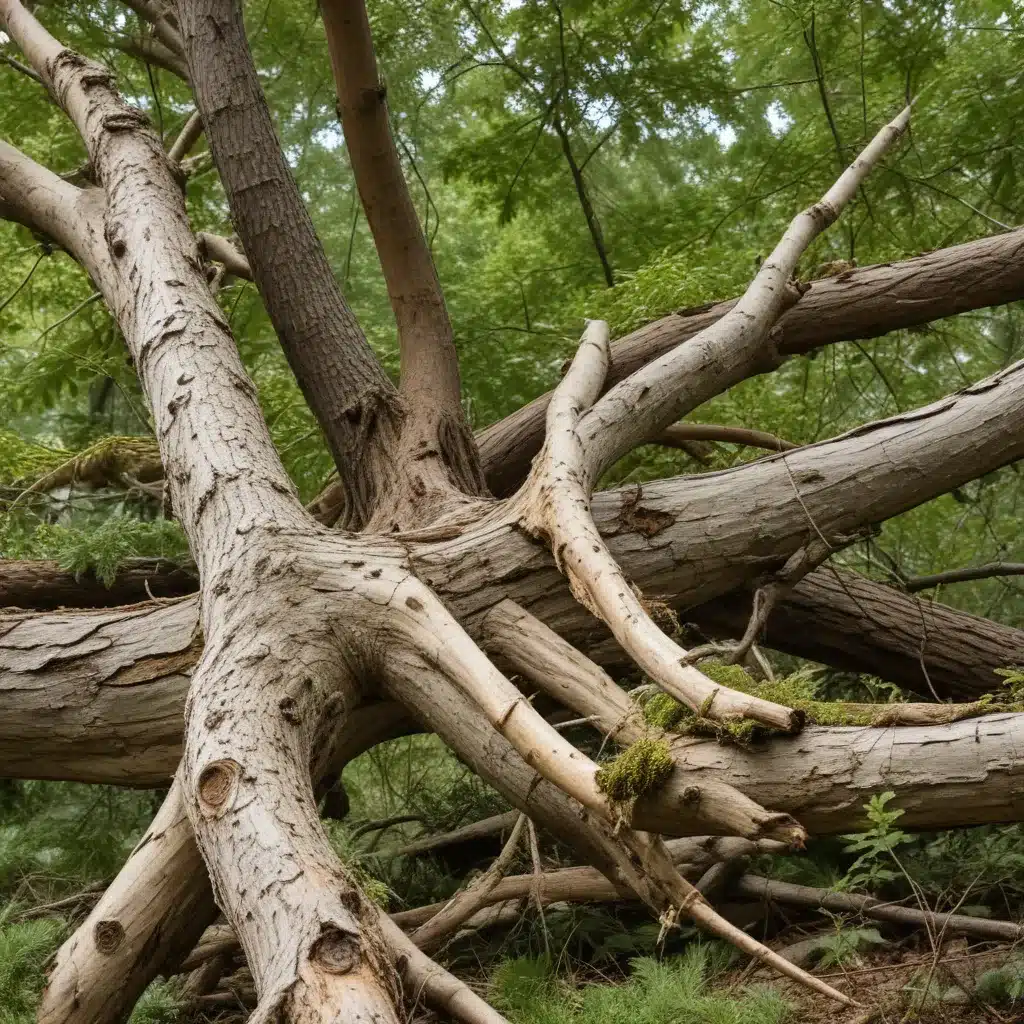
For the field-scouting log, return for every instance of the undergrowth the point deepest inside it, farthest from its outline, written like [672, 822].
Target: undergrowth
[673, 991]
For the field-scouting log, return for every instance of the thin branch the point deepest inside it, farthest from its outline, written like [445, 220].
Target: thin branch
[671, 386]
[187, 138]
[912, 584]
[679, 434]
[447, 921]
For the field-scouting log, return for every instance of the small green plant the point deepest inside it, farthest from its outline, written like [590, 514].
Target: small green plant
[875, 846]
[161, 1003]
[844, 945]
[24, 947]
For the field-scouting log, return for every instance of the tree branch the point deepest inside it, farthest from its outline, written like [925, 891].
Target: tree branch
[429, 363]
[729, 350]
[679, 435]
[862, 303]
[913, 584]
[555, 506]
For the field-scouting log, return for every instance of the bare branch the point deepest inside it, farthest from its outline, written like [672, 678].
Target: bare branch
[669, 387]
[680, 434]
[862, 303]
[187, 138]
[41, 200]
[913, 584]
[772, 891]
[559, 670]
[450, 918]
[153, 51]
[556, 506]
[214, 247]
[641, 858]
[442, 990]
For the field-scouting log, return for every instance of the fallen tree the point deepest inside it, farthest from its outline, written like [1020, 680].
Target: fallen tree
[296, 629]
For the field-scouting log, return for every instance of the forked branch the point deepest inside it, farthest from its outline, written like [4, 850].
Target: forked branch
[556, 506]
[730, 349]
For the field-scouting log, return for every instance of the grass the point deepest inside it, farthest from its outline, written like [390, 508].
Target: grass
[674, 991]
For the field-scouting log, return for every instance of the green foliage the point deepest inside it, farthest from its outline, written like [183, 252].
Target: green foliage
[24, 946]
[643, 766]
[101, 549]
[844, 945]
[875, 846]
[668, 992]
[161, 1003]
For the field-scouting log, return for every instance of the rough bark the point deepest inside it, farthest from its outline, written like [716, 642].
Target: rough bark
[311, 948]
[297, 622]
[44, 585]
[355, 403]
[734, 347]
[144, 923]
[844, 620]
[866, 302]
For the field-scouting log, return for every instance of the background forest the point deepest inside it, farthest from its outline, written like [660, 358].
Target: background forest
[582, 158]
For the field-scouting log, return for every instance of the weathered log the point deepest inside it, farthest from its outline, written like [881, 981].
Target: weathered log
[44, 585]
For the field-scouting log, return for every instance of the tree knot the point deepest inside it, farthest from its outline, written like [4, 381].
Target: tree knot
[335, 951]
[108, 936]
[217, 784]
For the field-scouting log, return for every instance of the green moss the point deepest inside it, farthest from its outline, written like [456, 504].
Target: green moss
[663, 711]
[641, 767]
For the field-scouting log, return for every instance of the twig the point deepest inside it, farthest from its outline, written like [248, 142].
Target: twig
[468, 901]
[912, 584]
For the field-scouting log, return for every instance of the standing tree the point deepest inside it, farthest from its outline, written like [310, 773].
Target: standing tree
[438, 563]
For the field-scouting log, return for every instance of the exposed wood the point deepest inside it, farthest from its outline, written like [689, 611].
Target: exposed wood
[555, 505]
[731, 349]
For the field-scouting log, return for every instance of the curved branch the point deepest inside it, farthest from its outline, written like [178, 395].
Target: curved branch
[556, 506]
[680, 434]
[731, 349]
[187, 138]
